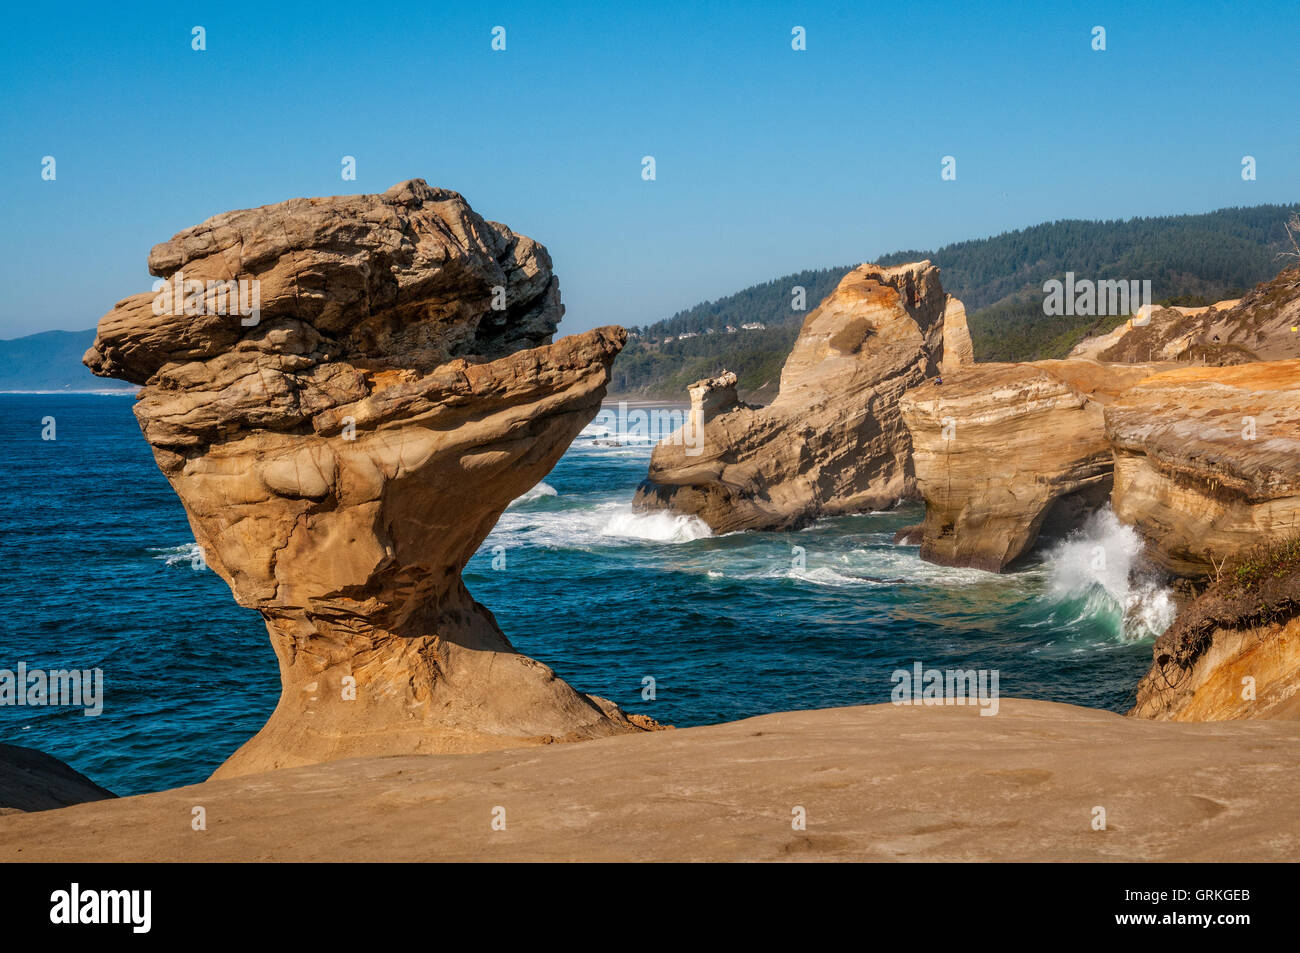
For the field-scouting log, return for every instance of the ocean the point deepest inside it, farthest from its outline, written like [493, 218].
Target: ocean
[97, 569]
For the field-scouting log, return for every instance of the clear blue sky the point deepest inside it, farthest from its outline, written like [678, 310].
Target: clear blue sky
[768, 160]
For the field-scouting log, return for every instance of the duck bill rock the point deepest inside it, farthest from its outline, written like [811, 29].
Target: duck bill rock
[342, 458]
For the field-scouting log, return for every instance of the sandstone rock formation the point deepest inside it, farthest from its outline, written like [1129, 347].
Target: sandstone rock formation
[1004, 452]
[31, 780]
[1257, 327]
[1235, 651]
[958, 351]
[832, 441]
[1207, 461]
[878, 782]
[343, 454]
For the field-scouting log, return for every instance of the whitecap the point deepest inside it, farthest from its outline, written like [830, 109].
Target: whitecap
[536, 493]
[656, 526]
[602, 522]
[186, 554]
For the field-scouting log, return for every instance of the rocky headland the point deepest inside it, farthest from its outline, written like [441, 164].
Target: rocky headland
[1004, 452]
[1182, 420]
[343, 453]
[1207, 461]
[833, 440]
[1259, 326]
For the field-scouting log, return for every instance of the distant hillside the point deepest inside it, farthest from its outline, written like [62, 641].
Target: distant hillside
[664, 369]
[50, 360]
[1189, 259]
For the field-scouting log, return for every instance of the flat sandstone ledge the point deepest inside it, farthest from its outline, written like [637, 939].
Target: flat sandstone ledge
[879, 783]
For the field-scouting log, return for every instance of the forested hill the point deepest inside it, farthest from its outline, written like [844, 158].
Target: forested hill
[1189, 259]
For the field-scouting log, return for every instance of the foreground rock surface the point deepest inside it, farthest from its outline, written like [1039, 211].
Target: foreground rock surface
[832, 441]
[1207, 461]
[879, 783]
[31, 780]
[343, 454]
[1004, 452]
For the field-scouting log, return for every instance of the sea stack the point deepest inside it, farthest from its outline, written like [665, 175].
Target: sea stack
[345, 439]
[833, 440]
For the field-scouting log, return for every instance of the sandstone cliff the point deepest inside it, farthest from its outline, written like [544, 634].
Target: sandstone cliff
[832, 441]
[1234, 652]
[342, 454]
[1004, 452]
[1257, 327]
[1207, 461]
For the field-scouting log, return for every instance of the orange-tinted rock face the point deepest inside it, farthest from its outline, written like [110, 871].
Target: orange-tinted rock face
[1234, 651]
[342, 457]
[1003, 450]
[833, 440]
[1241, 673]
[1207, 460]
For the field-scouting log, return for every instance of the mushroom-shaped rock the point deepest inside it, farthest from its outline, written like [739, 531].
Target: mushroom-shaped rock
[345, 394]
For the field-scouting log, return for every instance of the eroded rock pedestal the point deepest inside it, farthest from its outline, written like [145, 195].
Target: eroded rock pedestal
[833, 440]
[341, 459]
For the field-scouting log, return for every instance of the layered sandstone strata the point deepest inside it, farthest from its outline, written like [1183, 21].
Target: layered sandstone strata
[832, 441]
[343, 453]
[1207, 461]
[1004, 452]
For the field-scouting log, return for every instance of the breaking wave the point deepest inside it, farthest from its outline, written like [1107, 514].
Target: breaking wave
[583, 524]
[187, 554]
[1096, 573]
[656, 527]
[536, 493]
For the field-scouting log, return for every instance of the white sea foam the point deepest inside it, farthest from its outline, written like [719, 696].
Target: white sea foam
[186, 554]
[659, 527]
[873, 567]
[599, 522]
[825, 576]
[612, 446]
[1099, 565]
[896, 562]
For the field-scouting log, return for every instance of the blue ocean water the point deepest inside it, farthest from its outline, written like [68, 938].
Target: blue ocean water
[95, 555]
